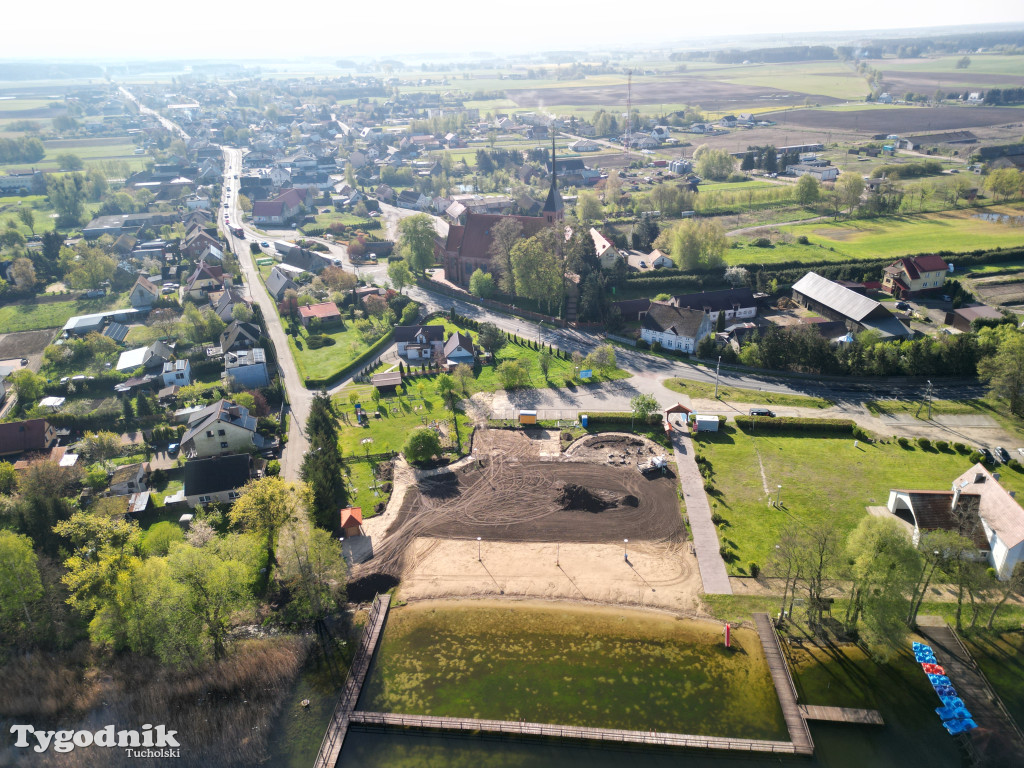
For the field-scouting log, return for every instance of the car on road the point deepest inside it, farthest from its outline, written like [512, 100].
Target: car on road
[762, 412]
[1002, 453]
[264, 244]
[903, 306]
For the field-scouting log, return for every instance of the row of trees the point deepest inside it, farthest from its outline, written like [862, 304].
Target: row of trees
[884, 577]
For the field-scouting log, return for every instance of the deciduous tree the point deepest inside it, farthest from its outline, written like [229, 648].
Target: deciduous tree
[266, 504]
[416, 241]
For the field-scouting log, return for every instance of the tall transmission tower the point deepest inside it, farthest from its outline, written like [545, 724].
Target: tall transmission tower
[629, 115]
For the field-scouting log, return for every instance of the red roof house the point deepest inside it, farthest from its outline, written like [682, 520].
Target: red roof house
[326, 312]
[352, 521]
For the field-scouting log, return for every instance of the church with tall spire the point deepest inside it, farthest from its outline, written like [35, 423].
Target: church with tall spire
[467, 246]
[554, 206]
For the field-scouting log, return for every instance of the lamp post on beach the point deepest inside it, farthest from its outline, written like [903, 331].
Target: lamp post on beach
[478, 557]
[625, 552]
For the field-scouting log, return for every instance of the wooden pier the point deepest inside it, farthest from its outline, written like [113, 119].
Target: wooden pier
[580, 733]
[842, 715]
[334, 739]
[784, 688]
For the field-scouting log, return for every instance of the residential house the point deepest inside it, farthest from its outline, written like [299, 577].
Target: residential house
[351, 522]
[914, 275]
[307, 260]
[840, 303]
[224, 302]
[144, 293]
[239, 335]
[819, 172]
[419, 342]
[676, 328]
[584, 145]
[736, 303]
[204, 279]
[177, 372]
[152, 357]
[607, 253]
[410, 198]
[193, 246]
[283, 208]
[216, 480]
[129, 478]
[26, 436]
[247, 368]
[282, 278]
[220, 428]
[644, 262]
[977, 507]
[459, 349]
[326, 313]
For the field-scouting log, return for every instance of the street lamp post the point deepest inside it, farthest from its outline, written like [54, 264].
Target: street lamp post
[625, 552]
[478, 556]
[778, 497]
[929, 400]
[717, 369]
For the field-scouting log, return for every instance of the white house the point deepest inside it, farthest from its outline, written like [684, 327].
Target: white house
[737, 303]
[129, 478]
[144, 293]
[177, 372]
[978, 507]
[675, 328]
[419, 342]
[607, 253]
[820, 172]
[220, 428]
[459, 349]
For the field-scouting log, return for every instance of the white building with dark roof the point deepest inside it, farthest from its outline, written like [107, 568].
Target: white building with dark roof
[675, 328]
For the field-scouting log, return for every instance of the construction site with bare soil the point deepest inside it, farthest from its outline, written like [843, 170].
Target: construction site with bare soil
[598, 521]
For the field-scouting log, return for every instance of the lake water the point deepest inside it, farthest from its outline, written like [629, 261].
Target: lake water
[1001, 218]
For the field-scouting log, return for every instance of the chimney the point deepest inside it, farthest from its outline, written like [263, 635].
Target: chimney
[956, 497]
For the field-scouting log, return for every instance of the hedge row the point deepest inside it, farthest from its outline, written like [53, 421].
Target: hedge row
[626, 418]
[364, 357]
[794, 424]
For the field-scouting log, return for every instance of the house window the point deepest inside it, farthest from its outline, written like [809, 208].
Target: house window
[220, 432]
[223, 444]
[204, 499]
[180, 376]
[233, 495]
[209, 433]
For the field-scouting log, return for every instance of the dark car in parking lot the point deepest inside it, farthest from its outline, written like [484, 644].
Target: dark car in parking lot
[762, 412]
[1002, 454]
[902, 305]
[987, 454]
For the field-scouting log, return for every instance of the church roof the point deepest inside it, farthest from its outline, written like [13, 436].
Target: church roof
[554, 203]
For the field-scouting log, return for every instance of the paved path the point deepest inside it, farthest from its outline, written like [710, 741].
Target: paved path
[705, 537]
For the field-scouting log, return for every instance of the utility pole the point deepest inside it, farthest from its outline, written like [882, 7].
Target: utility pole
[629, 115]
[929, 392]
[717, 369]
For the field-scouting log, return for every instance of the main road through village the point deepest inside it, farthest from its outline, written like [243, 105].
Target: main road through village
[648, 371]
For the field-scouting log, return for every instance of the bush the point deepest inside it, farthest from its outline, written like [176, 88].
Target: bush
[803, 240]
[709, 487]
[273, 468]
[924, 443]
[795, 424]
[961, 448]
[941, 445]
[643, 344]
[861, 434]
[976, 457]
[762, 242]
[318, 340]
[717, 518]
[1014, 465]
[755, 569]
[903, 442]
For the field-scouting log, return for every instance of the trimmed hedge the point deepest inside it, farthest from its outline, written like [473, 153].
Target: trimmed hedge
[367, 354]
[795, 424]
[619, 417]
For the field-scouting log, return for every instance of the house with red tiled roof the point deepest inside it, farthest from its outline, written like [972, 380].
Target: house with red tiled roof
[204, 279]
[25, 436]
[351, 521]
[326, 312]
[913, 275]
[286, 206]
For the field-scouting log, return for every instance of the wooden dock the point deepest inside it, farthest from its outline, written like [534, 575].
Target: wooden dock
[842, 715]
[784, 688]
[334, 739]
[580, 733]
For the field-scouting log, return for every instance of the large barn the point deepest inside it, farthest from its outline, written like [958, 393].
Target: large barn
[837, 302]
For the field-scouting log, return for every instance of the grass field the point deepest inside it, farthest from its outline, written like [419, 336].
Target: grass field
[42, 210]
[400, 414]
[118, 148]
[956, 230]
[578, 666]
[326, 362]
[816, 478]
[31, 316]
[703, 390]
[361, 488]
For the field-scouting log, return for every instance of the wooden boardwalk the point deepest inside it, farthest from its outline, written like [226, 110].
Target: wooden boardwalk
[334, 739]
[795, 722]
[971, 685]
[842, 715]
[546, 730]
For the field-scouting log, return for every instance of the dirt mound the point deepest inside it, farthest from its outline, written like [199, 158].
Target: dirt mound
[630, 501]
[574, 496]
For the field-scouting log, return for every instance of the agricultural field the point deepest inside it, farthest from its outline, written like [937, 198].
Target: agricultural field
[747, 470]
[91, 151]
[900, 119]
[577, 666]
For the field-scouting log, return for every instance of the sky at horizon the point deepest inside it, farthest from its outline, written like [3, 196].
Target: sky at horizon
[117, 29]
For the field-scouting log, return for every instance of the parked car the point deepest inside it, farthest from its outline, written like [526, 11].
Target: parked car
[172, 449]
[987, 454]
[903, 306]
[1002, 453]
[762, 412]
[264, 244]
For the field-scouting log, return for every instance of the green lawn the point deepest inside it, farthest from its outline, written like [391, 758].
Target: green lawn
[956, 230]
[560, 373]
[42, 210]
[326, 362]
[33, 316]
[361, 487]
[700, 389]
[400, 414]
[820, 478]
[118, 148]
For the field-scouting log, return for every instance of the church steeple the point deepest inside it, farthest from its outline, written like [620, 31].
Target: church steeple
[554, 207]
